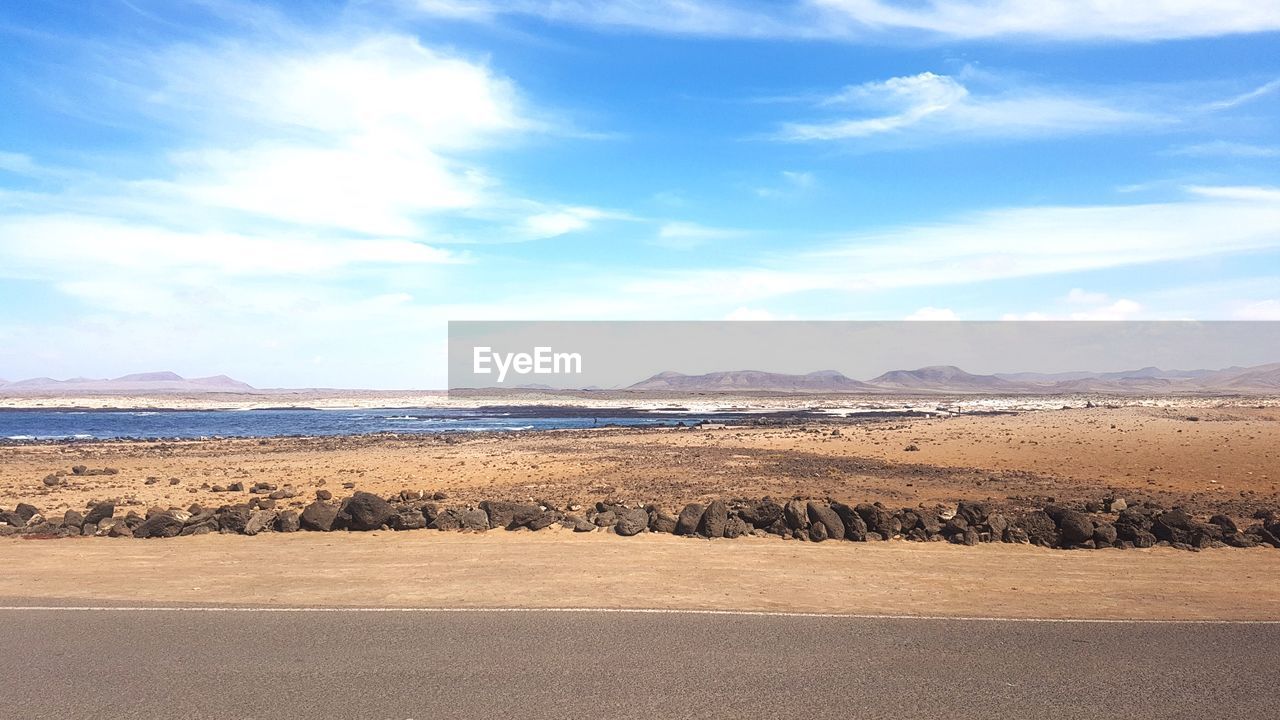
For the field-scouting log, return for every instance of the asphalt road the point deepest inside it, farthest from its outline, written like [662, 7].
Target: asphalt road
[377, 665]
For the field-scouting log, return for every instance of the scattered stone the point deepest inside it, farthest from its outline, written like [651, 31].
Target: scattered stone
[365, 511]
[407, 519]
[762, 514]
[26, 511]
[319, 516]
[99, 512]
[714, 519]
[260, 521]
[160, 525]
[1039, 528]
[1116, 505]
[475, 520]
[324, 495]
[662, 522]
[632, 522]
[509, 515]
[289, 521]
[690, 517]
[1074, 528]
[832, 526]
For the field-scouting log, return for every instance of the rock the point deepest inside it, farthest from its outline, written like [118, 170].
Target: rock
[975, 513]
[607, 518]
[817, 531]
[736, 527]
[9, 518]
[1039, 528]
[289, 521]
[996, 525]
[158, 526]
[73, 518]
[1015, 534]
[855, 528]
[1224, 523]
[1054, 511]
[1074, 528]
[324, 495]
[581, 525]
[690, 517]
[509, 515]
[475, 520]
[761, 514]
[546, 519]
[234, 519]
[796, 514]
[1174, 526]
[319, 516]
[79, 469]
[714, 519]
[198, 529]
[830, 519]
[955, 526]
[447, 520]
[99, 512]
[1240, 540]
[632, 522]
[235, 487]
[407, 519]
[969, 537]
[662, 522]
[26, 512]
[908, 520]
[878, 520]
[52, 480]
[1104, 534]
[1142, 539]
[1131, 524]
[120, 528]
[1115, 505]
[260, 521]
[365, 511]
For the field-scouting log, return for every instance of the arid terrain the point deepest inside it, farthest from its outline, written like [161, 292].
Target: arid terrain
[1209, 459]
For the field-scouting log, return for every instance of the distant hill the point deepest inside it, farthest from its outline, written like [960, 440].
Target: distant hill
[941, 377]
[152, 382]
[828, 381]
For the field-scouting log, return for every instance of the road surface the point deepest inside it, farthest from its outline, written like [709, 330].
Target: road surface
[398, 664]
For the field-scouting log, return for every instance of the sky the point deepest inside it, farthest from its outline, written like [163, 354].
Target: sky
[303, 195]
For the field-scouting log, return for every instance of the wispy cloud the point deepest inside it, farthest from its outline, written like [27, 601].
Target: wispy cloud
[1226, 148]
[877, 20]
[928, 107]
[1246, 97]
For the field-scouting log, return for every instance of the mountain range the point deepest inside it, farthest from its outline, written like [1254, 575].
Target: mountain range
[151, 382]
[951, 379]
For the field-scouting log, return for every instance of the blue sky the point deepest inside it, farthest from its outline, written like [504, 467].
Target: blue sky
[304, 196]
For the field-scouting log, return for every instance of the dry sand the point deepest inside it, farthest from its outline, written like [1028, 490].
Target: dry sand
[557, 568]
[1226, 460]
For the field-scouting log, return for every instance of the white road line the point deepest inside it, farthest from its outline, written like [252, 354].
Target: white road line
[622, 611]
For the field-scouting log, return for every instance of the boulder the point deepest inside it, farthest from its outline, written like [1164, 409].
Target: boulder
[1115, 505]
[996, 525]
[509, 515]
[260, 521]
[407, 519]
[324, 495]
[1224, 523]
[1039, 528]
[955, 526]
[475, 520]
[159, 525]
[761, 514]
[1174, 526]
[878, 520]
[73, 518]
[545, 519]
[447, 520]
[690, 518]
[714, 519]
[26, 511]
[1104, 534]
[855, 528]
[319, 516]
[365, 511]
[1015, 534]
[99, 512]
[1074, 527]
[661, 521]
[9, 518]
[830, 519]
[796, 514]
[632, 522]
[736, 527]
[817, 531]
[233, 519]
[198, 529]
[975, 513]
[289, 521]
[607, 518]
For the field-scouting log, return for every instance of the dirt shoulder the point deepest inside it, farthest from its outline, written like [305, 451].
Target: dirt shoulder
[556, 568]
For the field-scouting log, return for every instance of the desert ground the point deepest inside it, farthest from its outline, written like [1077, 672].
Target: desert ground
[1210, 460]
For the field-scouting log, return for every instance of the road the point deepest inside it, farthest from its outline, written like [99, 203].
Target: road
[397, 665]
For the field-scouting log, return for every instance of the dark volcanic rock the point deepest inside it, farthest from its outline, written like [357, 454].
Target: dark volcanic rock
[447, 520]
[761, 514]
[475, 520]
[99, 512]
[509, 515]
[233, 519]
[855, 528]
[545, 519]
[159, 525]
[878, 520]
[829, 518]
[289, 521]
[1174, 526]
[407, 519]
[736, 527]
[632, 522]
[974, 513]
[1074, 528]
[1224, 523]
[796, 515]
[364, 511]
[319, 516]
[1104, 534]
[73, 518]
[817, 531]
[662, 522]
[996, 525]
[12, 519]
[690, 518]
[26, 511]
[1039, 527]
[260, 521]
[714, 519]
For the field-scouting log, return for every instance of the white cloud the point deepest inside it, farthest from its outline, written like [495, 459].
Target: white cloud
[1001, 244]
[880, 19]
[929, 106]
[687, 235]
[1226, 148]
[793, 183]
[1246, 97]
[932, 313]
